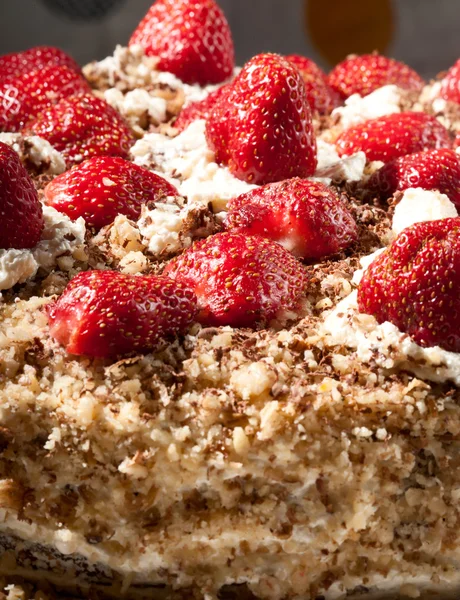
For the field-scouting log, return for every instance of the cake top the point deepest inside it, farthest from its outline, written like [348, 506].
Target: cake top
[162, 192]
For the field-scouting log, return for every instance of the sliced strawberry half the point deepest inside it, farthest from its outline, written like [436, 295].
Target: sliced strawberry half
[107, 314]
[199, 110]
[306, 217]
[262, 128]
[450, 86]
[365, 73]
[240, 280]
[192, 39]
[415, 284]
[81, 127]
[21, 221]
[391, 136]
[24, 97]
[430, 170]
[322, 98]
[37, 58]
[103, 187]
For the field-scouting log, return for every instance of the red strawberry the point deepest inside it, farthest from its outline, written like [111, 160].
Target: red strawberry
[103, 187]
[191, 38]
[368, 72]
[322, 98]
[21, 218]
[81, 127]
[24, 97]
[262, 127]
[394, 135]
[107, 314]
[430, 170]
[239, 280]
[450, 86]
[199, 110]
[306, 217]
[18, 63]
[415, 284]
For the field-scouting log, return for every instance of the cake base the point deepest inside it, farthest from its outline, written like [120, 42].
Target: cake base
[73, 576]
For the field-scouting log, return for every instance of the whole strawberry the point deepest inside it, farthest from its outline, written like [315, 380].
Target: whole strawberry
[365, 73]
[322, 98]
[191, 38]
[37, 58]
[107, 314]
[391, 136]
[240, 280]
[430, 170]
[81, 127]
[306, 217]
[199, 110]
[450, 86]
[415, 284]
[103, 187]
[21, 216]
[262, 127]
[25, 96]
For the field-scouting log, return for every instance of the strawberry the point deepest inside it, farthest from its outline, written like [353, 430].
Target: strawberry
[306, 217]
[415, 284]
[107, 314]
[394, 135]
[81, 127]
[450, 85]
[18, 63]
[103, 187]
[239, 280]
[430, 170]
[25, 96]
[199, 110]
[191, 38]
[365, 73]
[322, 98]
[21, 217]
[262, 126]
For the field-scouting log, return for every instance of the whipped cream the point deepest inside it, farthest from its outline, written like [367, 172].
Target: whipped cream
[136, 105]
[36, 150]
[446, 112]
[386, 345]
[430, 95]
[61, 239]
[336, 168]
[188, 163]
[418, 205]
[384, 101]
[162, 227]
[130, 69]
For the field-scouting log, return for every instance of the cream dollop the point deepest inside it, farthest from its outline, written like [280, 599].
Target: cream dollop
[385, 344]
[336, 168]
[60, 238]
[38, 151]
[189, 164]
[418, 205]
[384, 101]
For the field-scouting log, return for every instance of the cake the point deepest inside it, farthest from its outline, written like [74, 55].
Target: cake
[254, 426]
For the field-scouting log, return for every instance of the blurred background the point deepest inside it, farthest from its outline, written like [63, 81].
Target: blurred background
[423, 33]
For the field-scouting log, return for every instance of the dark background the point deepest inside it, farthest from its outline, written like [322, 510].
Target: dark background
[424, 33]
